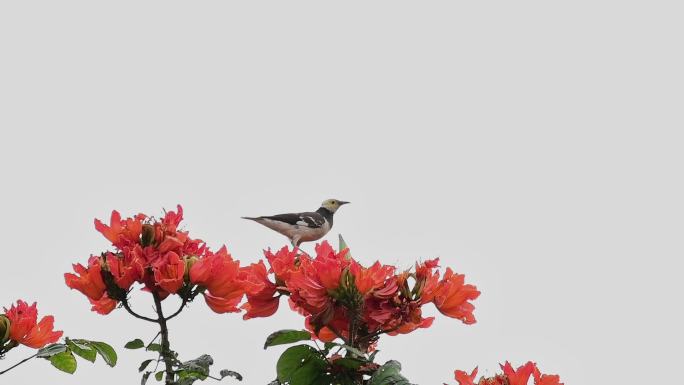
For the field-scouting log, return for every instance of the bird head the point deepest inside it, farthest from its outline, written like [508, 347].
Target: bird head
[332, 204]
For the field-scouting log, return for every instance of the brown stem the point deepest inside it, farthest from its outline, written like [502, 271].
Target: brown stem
[165, 348]
[18, 363]
[126, 306]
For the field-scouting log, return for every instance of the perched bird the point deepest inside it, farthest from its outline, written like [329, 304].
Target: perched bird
[303, 227]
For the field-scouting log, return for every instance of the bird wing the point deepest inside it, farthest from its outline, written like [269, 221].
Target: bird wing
[310, 220]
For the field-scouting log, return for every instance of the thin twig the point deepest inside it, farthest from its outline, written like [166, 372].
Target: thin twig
[134, 314]
[185, 301]
[18, 363]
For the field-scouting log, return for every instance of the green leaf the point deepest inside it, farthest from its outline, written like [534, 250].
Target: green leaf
[388, 374]
[144, 364]
[195, 369]
[135, 344]
[105, 351]
[342, 246]
[154, 348]
[287, 336]
[159, 375]
[230, 373]
[82, 350]
[349, 363]
[145, 376]
[51, 350]
[372, 355]
[350, 349]
[300, 365]
[64, 361]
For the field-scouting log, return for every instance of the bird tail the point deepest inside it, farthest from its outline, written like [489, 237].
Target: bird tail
[250, 218]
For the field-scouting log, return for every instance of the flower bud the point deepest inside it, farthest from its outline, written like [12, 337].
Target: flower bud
[4, 329]
[189, 261]
[147, 237]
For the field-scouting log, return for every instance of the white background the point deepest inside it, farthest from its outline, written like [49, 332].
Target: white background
[534, 146]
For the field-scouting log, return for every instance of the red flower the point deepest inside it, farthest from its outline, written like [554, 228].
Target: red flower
[121, 232]
[372, 278]
[89, 280]
[104, 305]
[464, 378]
[519, 376]
[261, 293]
[169, 272]
[222, 277]
[283, 262]
[545, 379]
[25, 329]
[452, 295]
[510, 376]
[125, 269]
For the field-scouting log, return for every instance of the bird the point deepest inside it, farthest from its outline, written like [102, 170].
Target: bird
[303, 227]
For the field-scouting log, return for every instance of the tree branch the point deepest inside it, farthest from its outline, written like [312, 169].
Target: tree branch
[17, 364]
[166, 349]
[126, 306]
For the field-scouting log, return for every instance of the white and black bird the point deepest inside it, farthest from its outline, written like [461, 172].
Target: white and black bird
[303, 227]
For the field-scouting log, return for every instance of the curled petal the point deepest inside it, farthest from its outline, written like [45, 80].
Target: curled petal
[89, 280]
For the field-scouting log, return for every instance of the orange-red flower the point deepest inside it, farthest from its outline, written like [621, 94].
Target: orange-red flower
[331, 289]
[89, 280]
[545, 379]
[372, 278]
[169, 272]
[126, 268]
[121, 232]
[509, 376]
[518, 376]
[156, 254]
[104, 305]
[464, 378]
[283, 262]
[25, 328]
[451, 297]
[262, 300]
[223, 278]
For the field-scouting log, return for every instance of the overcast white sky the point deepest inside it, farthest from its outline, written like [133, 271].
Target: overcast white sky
[535, 146]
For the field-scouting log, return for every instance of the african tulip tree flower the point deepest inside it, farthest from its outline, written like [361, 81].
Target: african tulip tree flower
[162, 258]
[25, 329]
[340, 298]
[509, 376]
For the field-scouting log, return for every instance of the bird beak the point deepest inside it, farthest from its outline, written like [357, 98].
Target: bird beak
[342, 202]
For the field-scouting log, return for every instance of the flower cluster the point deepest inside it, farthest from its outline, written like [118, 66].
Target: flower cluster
[19, 325]
[164, 259]
[341, 298]
[509, 376]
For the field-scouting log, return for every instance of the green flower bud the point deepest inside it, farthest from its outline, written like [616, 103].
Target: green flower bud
[189, 261]
[4, 329]
[147, 236]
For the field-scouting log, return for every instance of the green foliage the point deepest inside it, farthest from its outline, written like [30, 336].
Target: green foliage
[342, 246]
[388, 374]
[82, 350]
[61, 356]
[229, 373]
[154, 348]
[286, 337]
[144, 364]
[105, 351]
[301, 365]
[135, 344]
[64, 361]
[51, 350]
